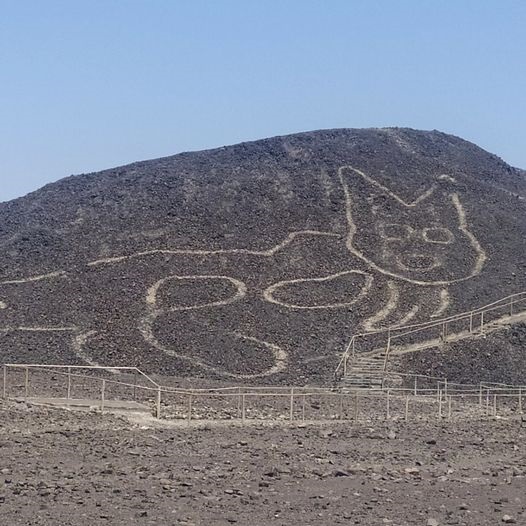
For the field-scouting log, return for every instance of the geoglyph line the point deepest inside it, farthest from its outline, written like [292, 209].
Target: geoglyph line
[280, 356]
[38, 329]
[408, 317]
[78, 346]
[57, 274]
[241, 290]
[268, 293]
[444, 304]
[463, 226]
[266, 253]
[393, 295]
[146, 328]
[386, 190]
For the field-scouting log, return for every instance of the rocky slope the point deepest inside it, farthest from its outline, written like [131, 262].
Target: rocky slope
[256, 261]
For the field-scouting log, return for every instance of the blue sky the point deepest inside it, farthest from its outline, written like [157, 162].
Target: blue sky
[91, 84]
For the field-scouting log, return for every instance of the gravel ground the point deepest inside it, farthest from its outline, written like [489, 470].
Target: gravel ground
[59, 467]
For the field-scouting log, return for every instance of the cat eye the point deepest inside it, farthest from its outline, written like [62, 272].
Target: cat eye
[437, 235]
[395, 231]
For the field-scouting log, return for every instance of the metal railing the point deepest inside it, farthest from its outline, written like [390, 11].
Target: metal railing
[419, 397]
[475, 322]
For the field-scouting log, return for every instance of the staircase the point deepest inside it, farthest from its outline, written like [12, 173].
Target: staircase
[363, 367]
[367, 372]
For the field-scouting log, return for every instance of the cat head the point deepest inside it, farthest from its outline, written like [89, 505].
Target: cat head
[423, 239]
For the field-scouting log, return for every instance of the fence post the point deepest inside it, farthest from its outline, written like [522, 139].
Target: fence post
[291, 409]
[440, 404]
[158, 403]
[303, 408]
[189, 416]
[243, 408]
[102, 396]
[494, 405]
[4, 387]
[449, 408]
[480, 394]
[406, 416]
[27, 384]
[482, 322]
[239, 402]
[520, 400]
[135, 385]
[415, 390]
[487, 402]
[445, 387]
[69, 385]
[388, 403]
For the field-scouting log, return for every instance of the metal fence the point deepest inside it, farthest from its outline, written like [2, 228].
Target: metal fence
[101, 389]
[430, 334]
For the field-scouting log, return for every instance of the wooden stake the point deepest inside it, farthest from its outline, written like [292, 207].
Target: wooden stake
[158, 403]
[69, 383]
[102, 396]
[27, 383]
[291, 409]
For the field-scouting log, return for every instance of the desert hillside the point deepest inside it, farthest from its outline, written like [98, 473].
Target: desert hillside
[257, 261]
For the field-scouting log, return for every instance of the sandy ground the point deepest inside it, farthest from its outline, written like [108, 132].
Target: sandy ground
[60, 468]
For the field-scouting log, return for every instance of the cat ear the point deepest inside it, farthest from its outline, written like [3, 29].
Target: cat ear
[359, 183]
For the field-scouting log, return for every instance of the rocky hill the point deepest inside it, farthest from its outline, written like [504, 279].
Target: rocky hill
[257, 261]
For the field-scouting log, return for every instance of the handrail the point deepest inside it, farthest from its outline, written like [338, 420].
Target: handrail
[260, 389]
[439, 392]
[503, 302]
[395, 331]
[89, 367]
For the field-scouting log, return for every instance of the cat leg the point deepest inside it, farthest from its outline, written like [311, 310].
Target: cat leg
[375, 322]
[397, 311]
[443, 304]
